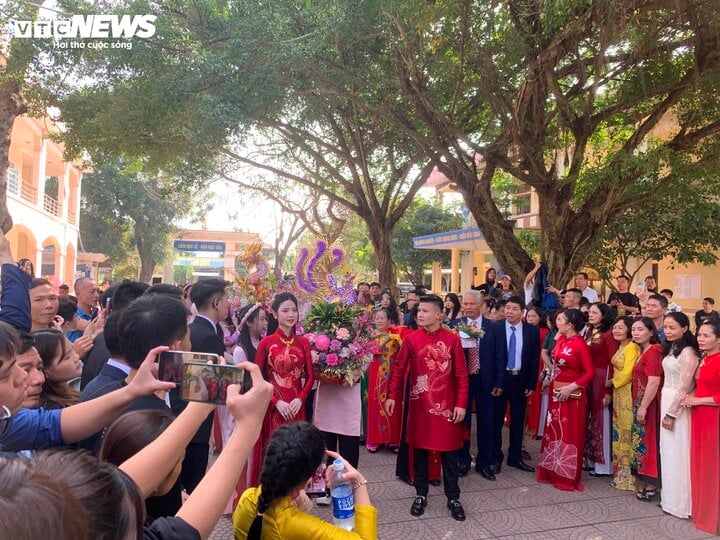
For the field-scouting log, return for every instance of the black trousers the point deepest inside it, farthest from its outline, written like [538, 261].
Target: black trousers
[449, 469]
[194, 465]
[402, 465]
[348, 446]
[310, 405]
[485, 414]
[514, 394]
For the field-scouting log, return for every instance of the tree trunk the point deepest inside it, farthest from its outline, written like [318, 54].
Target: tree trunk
[497, 230]
[147, 267]
[12, 105]
[568, 236]
[380, 239]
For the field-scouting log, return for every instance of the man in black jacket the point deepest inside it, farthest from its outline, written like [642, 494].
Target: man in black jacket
[211, 301]
[517, 348]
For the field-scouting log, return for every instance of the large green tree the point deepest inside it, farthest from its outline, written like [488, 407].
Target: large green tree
[579, 100]
[129, 211]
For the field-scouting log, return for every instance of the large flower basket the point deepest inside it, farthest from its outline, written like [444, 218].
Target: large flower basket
[341, 342]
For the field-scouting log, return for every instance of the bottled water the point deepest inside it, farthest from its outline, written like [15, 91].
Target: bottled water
[342, 498]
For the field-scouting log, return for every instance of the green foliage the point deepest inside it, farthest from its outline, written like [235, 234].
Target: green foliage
[422, 218]
[130, 212]
[327, 316]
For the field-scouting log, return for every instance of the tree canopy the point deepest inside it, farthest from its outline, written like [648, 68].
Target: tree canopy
[586, 102]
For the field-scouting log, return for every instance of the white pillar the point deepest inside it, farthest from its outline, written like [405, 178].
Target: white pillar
[467, 262]
[64, 194]
[41, 169]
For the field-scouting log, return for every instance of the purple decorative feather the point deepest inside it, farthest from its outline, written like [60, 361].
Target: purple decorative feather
[321, 247]
[339, 256]
[299, 271]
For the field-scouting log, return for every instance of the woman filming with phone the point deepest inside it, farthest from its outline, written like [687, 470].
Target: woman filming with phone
[267, 512]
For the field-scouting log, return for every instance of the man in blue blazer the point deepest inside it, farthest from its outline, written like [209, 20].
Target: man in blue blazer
[517, 350]
[485, 383]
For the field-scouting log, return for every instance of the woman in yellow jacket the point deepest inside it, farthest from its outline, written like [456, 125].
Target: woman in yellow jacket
[293, 455]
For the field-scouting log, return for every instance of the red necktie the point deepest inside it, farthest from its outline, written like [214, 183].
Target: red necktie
[473, 355]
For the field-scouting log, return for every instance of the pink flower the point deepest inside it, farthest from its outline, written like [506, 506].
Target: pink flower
[335, 345]
[315, 357]
[332, 359]
[342, 334]
[310, 337]
[322, 342]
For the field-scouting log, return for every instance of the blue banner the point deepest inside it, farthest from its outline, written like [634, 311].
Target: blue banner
[199, 245]
[459, 235]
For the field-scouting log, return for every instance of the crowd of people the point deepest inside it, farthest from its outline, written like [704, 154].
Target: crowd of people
[623, 389]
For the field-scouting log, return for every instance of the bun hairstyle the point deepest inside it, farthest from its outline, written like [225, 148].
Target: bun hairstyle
[293, 454]
[576, 318]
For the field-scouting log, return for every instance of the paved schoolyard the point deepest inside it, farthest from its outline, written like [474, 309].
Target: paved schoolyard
[515, 506]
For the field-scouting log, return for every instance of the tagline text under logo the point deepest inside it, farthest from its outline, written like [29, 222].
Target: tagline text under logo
[88, 27]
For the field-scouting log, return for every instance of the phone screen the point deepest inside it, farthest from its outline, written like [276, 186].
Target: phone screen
[316, 486]
[208, 383]
[170, 363]
[108, 306]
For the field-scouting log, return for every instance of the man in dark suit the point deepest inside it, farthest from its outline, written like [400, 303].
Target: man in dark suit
[211, 301]
[517, 349]
[486, 376]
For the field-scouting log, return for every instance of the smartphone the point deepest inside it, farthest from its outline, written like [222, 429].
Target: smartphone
[316, 486]
[93, 313]
[108, 306]
[170, 363]
[208, 383]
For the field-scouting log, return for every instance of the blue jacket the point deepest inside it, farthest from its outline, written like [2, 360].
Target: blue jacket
[15, 298]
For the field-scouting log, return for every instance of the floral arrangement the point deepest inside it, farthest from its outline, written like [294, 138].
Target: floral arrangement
[469, 332]
[341, 342]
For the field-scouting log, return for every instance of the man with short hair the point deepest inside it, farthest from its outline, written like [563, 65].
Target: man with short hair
[411, 300]
[211, 301]
[121, 295]
[44, 303]
[582, 282]
[707, 312]
[673, 307]
[622, 300]
[64, 291]
[572, 298]
[375, 293]
[438, 380]
[130, 335]
[517, 350]
[485, 380]
[87, 294]
[655, 308]
[29, 360]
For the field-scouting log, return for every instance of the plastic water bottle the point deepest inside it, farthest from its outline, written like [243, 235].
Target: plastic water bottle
[342, 498]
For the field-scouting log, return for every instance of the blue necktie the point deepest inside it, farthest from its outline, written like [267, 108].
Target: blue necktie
[511, 350]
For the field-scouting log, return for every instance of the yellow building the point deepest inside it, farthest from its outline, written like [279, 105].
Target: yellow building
[43, 200]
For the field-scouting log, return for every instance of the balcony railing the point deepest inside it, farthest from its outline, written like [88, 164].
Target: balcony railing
[20, 187]
[51, 205]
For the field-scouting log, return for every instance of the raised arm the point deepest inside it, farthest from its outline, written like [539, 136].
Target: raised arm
[207, 502]
[153, 463]
[15, 295]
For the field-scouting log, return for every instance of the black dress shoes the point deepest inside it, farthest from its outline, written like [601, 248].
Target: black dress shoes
[463, 469]
[496, 468]
[456, 510]
[418, 506]
[487, 474]
[520, 464]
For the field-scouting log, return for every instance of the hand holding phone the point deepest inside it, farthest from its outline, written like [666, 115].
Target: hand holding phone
[208, 383]
[170, 363]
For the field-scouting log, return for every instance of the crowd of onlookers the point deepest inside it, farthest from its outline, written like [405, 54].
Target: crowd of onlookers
[93, 445]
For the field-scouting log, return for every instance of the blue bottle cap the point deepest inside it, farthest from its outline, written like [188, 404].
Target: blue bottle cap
[338, 465]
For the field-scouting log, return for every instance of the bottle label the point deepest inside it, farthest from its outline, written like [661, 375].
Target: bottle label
[343, 507]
